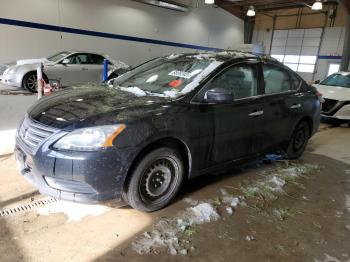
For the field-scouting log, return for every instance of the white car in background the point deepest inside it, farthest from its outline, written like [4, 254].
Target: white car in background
[69, 68]
[336, 93]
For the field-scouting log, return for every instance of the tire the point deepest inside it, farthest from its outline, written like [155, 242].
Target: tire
[30, 82]
[111, 76]
[155, 180]
[298, 141]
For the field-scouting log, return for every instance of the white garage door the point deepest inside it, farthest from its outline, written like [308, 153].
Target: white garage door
[297, 49]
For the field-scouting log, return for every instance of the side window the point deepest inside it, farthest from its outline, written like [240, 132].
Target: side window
[96, 59]
[277, 79]
[78, 59]
[241, 80]
[295, 81]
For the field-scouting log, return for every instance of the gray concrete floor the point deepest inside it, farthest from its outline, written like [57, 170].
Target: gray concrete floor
[317, 228]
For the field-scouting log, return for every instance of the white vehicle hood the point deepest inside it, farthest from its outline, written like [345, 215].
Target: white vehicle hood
[334, 92]
[31, 61]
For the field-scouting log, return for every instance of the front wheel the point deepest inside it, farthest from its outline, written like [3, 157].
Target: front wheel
[155, 181]
[298, 141]
[30, 82]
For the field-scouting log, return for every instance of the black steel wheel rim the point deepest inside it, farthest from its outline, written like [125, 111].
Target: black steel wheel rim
[158, 180]
[299, 139]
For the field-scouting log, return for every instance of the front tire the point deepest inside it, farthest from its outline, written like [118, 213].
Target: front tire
[30, 82]
[298, 141]
[155, 180]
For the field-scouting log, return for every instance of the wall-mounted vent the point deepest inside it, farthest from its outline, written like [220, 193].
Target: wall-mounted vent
[165, 4]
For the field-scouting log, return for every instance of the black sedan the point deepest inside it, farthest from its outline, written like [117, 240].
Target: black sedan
[168, 120]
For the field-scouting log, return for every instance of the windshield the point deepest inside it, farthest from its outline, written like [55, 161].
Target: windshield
[167, 76]
[337, 80]
[57, 57]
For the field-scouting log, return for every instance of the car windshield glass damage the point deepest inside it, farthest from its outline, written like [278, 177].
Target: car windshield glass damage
[58, 56]
[337, 80]
[166, 76]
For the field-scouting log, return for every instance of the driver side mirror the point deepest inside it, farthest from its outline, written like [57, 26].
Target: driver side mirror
[317, 82]
[65, 61]
[218, 95]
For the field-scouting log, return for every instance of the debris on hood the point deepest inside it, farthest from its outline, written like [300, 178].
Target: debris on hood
[173, 56]
[135, 90]
[192, 85]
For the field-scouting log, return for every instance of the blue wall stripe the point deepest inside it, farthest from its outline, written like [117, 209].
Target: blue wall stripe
[329, 57]
[70, 30]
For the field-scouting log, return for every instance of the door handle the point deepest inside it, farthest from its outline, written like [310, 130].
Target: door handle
[84, 69]
[295, 106]
[257, 113]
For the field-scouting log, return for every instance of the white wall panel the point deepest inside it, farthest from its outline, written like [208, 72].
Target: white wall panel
[122, 17]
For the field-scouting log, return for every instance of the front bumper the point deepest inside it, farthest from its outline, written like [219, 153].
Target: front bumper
[341, 112]
[12, 80]
[87, 177]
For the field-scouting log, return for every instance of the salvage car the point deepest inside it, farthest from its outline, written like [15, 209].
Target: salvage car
[336, 93]
[69, 68]
[166, 121]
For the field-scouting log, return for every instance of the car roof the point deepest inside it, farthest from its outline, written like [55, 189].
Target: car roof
[223, 55]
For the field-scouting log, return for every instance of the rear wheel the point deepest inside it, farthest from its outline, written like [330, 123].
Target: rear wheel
[298, 141]
[30, 82]
[155, 181]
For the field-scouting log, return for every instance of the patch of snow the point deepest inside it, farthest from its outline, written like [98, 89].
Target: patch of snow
[328, 259]
[196, 81]
[167, 232]
[74, 211]
[276, 183]
[229, 210]
[190, 201]
[347, 202]
[250, 238]
[235, 201]
[202, 213]
[290, 171]
[172, 94]
[135, 90]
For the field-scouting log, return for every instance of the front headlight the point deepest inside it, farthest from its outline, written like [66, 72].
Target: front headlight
[90, 139]
[11, 70]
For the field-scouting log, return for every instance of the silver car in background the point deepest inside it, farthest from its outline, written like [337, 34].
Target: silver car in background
[68, 67]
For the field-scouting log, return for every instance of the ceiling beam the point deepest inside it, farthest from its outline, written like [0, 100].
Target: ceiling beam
[233, 9]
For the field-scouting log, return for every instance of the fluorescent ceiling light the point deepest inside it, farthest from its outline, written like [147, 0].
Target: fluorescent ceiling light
[317, 5]
[251, 11]
[209, 2]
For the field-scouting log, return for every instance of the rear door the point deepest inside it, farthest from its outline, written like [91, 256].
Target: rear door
[282, 105]
[95, 67]
[76, 71]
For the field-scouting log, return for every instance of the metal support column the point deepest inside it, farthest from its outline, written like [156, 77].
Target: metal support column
[346, 50]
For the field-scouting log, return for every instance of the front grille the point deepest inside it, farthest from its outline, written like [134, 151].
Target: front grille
[329, 105]
[32, 134]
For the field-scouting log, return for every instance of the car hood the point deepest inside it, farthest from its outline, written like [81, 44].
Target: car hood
[31, 61]
[91, 105]
[334, 92]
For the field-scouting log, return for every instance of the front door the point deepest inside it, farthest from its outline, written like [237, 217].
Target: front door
[233, 123]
